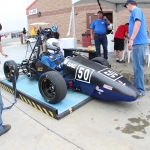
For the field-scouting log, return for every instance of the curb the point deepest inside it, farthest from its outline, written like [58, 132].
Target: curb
[130, 77]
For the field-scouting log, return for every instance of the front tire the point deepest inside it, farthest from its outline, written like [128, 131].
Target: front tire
[7, 70]
[52, 87]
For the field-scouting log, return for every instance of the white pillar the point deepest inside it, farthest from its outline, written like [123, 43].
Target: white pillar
[116, 20]
[73, 22]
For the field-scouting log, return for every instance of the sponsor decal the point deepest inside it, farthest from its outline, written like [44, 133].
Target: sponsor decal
[111, 74]
[99, 90]
[121, 82]
[71, 65]
[40, 69]
[107, 87]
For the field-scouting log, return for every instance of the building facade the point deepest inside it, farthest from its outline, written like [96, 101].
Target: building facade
[58, 12]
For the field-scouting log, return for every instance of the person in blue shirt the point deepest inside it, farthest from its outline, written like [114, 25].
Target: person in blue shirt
[98, 31]
[138, 43]
[3, 128]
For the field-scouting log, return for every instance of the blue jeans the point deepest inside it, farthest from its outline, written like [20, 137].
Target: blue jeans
[138, 55]
[1, 107]
[101, 40]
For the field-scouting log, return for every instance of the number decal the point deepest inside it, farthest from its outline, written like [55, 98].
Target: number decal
[80, 72]
[83, 73]
[86, 74]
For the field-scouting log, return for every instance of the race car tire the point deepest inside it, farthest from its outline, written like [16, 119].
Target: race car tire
[7, 71]
[52, 87]
[101, 61]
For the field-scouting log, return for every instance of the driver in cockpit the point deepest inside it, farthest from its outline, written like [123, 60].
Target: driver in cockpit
[54, 56]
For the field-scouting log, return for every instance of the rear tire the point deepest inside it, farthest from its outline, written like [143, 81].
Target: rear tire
[52, 87]
[101, 61]
[7, 70]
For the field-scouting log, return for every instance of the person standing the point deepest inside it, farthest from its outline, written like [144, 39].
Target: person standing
[24, 34]
[54, 30]
[120, 34]
[39, 30]
[33, 33]
[138, 43]
[98, 33]
[3, 128]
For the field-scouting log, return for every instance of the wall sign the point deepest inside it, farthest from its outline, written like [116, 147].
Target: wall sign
[33, 11]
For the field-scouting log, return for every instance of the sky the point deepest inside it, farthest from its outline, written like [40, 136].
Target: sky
[13, 14]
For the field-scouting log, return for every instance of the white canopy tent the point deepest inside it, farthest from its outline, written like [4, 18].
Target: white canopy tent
[116, 5]
[39, 24]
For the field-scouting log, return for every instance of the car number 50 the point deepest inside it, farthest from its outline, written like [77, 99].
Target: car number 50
[83, 73]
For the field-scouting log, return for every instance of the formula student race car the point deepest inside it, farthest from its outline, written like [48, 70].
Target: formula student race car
[93, 77]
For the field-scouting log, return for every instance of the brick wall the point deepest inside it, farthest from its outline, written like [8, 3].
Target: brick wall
[58, 12]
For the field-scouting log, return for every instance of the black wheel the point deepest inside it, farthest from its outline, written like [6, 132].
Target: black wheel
[7, 69]
[101, 61]
[52, 87]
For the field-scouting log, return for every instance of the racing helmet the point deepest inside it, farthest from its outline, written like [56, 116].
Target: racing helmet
[54, 28]
[51, 45]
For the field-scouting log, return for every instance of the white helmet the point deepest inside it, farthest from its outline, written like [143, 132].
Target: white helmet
[110, 27]
[51, 44]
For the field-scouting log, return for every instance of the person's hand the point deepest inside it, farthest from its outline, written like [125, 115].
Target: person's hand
[105, 18]
[58, 49]
[5, 55]
[130, 45]
[92, 38]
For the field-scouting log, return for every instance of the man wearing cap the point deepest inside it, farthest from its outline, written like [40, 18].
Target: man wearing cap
[138, 43]
[54, 29]
[99, 28]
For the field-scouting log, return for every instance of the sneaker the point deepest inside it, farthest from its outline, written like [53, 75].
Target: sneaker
[6, 128]
[140, 95]
[122, 61]
[117, 60]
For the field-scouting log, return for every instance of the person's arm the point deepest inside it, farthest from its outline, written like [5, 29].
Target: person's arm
[135, 29]
[134, 33]
[1, 51]
[92, 27]
[92, 34]
[127, 35]
[108, 22]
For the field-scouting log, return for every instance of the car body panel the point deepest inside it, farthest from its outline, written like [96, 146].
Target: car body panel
[98, 81]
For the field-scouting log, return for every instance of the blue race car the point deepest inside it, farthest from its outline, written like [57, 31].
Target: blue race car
[93, 77]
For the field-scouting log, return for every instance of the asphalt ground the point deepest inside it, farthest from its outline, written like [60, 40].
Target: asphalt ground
[8, 41]
[98, 125]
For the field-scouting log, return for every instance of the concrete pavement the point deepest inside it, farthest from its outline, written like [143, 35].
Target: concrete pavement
[9, 41]
[98, 125]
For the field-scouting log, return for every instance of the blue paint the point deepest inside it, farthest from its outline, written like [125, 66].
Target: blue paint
[30, 87]
[106, 95]
[110, 95]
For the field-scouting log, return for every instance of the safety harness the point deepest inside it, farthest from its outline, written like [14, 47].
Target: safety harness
[13, 76]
